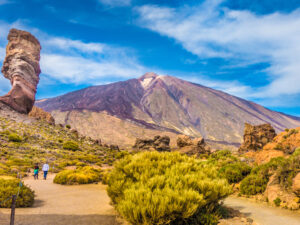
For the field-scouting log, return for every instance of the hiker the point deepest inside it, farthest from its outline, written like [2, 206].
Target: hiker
[36, 172]
[45, 170]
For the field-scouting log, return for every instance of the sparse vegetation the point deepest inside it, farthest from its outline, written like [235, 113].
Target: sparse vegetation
[277, 201]
[285, 169]
[9, 187]
[81, 175]
[166, 188]
[43, 142]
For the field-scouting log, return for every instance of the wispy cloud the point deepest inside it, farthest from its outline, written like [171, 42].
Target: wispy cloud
[74, 69]
[232, 87]
[210, 30]
[74, 61]
[115, 3]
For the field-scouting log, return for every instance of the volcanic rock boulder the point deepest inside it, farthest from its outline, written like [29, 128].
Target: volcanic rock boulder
[184, 140]
[192, 146]
[40, 114]
[159, 143]
[256, 137]
[21, 67]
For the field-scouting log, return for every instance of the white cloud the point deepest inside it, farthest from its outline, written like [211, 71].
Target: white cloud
[74, 69]
[74, 61]
[211, 31]
[115, 3]
[63, 43]
[231, 87]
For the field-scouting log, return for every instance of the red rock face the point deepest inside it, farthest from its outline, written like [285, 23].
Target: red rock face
[21, 67]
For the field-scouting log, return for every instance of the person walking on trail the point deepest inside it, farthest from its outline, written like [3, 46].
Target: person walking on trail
[36, 172]
[45, 170]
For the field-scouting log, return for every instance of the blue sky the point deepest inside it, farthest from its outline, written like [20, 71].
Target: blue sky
[248, 48]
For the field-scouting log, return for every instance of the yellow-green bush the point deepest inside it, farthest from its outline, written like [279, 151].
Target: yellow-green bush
[235, 172]
[229, 166]
[14, 137]
[254, 184]
[166, 188]
[81, 175]
[284, 169]
[71, 145]
[10, 187]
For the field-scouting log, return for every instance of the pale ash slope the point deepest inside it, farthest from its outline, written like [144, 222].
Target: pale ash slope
[161, 103]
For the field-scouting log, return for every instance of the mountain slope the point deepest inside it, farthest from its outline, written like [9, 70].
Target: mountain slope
[154, 104]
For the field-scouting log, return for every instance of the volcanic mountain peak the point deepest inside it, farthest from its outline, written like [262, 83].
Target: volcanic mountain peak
[148, 75]
[148, 79]
[155, 103]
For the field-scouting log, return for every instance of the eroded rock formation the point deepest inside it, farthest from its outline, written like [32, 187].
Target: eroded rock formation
[21, 67]
[191, 146]
[256, 137]
[159, 143]
[40, 114]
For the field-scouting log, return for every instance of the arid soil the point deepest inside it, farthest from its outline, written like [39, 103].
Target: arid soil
[56, 205]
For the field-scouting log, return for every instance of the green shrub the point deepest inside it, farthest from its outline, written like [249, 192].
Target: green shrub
[10, 187]
[296, 152]
[235, 172]
[166, 188]
[277, 201]
[221, 154]
[105, 176]
[230, 167]
[71, 145]
[288, 169]
[258, 179]
[253, 184]
[68, 126]
[14, 137]
[81, 175]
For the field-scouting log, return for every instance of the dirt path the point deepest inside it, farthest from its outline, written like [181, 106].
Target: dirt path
[263, 214]
[56, 205]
